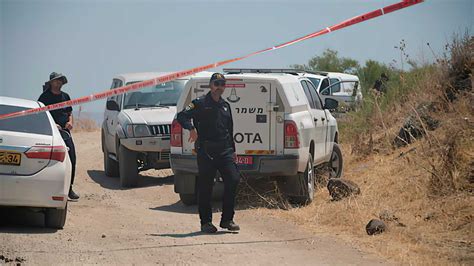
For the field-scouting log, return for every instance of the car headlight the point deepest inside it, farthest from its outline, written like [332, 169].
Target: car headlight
[138, 131]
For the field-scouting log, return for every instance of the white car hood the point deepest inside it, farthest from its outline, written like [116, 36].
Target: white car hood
[151, 116]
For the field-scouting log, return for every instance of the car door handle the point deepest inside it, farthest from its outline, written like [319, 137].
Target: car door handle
[315, 120]
[322, 118]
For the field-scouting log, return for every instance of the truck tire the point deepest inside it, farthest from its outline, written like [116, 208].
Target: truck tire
[336, 162]
[111, 167]
[128, 168]
[188, 199]
[305, 184]
[55, 218]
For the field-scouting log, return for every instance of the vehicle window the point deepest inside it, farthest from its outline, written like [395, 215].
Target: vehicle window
[337, 86]
[115, 84]
[35, 123]
[315, 96]
[165, 94]
[324, 89]
[118, 83]
[315, 81]
[118, 99]
[308, 93]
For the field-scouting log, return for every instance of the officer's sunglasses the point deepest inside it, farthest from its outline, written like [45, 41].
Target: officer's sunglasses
[219, 83]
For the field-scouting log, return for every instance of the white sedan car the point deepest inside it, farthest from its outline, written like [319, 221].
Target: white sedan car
[35, 169]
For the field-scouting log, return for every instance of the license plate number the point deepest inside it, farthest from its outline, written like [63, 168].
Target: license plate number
[10, 158]
[244, 160]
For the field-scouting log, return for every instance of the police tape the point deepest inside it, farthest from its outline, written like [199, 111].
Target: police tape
[179, 74]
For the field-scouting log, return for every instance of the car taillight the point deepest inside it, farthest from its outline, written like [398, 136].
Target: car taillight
[291, 135]
[176, 134]
[56, 153]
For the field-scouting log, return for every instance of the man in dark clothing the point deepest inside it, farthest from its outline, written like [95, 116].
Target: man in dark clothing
[63, 117]
[380, 85]
[212, 130]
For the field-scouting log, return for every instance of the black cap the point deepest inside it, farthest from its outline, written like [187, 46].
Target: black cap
[60, 76]
[217, 76]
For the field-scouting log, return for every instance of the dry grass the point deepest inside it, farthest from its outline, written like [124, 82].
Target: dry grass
[428, 185]
[85, 125]
[260, 193]
[429, 230]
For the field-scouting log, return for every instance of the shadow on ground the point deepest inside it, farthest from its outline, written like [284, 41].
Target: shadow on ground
[23, 221]
[177, 207]
[193, 234]
[113, 183]
[254, 194]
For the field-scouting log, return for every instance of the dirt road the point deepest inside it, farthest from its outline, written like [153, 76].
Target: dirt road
[149, 224]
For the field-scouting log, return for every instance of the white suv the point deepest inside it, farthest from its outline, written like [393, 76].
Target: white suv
[281, 129]
[136, 127]
[344, 88]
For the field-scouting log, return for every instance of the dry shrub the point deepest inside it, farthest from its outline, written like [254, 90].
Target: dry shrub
[459, 65]
[260, 193]
[428, 229]
[428, 185]
[446, 89]
[451, 155]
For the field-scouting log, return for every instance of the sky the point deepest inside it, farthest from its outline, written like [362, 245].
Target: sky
[93, 41]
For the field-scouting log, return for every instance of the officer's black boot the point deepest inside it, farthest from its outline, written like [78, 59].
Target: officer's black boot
[230, 225]
[72, 195]
[208, 228]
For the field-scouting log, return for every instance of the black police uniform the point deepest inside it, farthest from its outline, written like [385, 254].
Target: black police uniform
[215, 149]
[61, 117]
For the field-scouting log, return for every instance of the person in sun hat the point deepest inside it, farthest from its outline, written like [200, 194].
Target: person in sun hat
[53, 94]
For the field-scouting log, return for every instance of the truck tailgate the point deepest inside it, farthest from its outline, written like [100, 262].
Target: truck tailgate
[254, 120]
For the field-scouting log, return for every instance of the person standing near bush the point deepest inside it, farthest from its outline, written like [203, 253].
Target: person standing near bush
[380, 85]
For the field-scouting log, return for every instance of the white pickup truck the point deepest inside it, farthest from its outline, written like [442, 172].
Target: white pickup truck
[281, 129]
[136, 126]
[342, 87]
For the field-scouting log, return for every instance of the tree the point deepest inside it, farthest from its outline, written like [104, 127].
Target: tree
[330, 61]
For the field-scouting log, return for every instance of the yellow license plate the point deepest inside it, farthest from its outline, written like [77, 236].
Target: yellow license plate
[10, 158]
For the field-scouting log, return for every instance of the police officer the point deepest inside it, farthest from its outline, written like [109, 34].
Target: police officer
[63, 117]
[212, 130]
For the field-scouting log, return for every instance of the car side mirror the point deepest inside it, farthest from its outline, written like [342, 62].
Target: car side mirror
[112, 106]
[330, 104]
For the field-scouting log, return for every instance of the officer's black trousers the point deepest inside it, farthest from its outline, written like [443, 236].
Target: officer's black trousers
[72, 156]
[209, 162]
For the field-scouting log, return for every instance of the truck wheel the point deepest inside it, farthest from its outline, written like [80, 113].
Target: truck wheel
[306, 184]
[188, 199]
[55, 218]
[336, 163]
[111, 167]
[128, 168]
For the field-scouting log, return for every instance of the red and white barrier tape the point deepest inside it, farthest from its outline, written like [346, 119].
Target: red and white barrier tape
[179, 74]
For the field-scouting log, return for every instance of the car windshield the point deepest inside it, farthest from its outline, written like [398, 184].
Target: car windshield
[315, 82]
[35, 123]
[165, 94]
